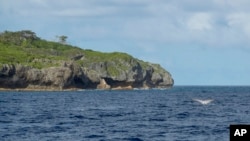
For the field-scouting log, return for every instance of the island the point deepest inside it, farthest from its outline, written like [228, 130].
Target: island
[28, 62]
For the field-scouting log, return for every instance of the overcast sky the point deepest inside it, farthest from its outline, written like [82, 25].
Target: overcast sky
[200, 42]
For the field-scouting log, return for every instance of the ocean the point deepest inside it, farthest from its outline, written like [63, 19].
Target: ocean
[138, 115]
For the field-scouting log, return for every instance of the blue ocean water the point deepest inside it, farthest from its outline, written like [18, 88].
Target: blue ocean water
[139, 115]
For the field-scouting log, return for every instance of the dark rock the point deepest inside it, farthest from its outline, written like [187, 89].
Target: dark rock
[19, 76]
[73, 76]
[99, 75]
[77, 57]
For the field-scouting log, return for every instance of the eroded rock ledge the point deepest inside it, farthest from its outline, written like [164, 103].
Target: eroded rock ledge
[72, 76]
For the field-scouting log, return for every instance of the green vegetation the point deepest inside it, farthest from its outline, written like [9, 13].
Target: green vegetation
[96, 56]
[24, 47]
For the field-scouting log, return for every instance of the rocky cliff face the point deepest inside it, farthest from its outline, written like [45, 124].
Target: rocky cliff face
[95, 76]
[29, 62]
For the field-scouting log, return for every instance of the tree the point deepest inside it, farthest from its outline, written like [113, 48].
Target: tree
[62, 39]
[18, 37]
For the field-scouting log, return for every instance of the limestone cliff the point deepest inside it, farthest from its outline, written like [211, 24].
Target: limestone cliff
[35, 64]
[75, 76]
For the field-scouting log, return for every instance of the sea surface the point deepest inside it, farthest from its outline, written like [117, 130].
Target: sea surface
[138, 115]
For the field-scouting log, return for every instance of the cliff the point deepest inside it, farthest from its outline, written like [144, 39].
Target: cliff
[28, 62]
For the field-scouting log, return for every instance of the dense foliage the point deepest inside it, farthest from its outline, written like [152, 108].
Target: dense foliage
[24, 47]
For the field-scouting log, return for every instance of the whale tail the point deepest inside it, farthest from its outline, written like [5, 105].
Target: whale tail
[204, 102]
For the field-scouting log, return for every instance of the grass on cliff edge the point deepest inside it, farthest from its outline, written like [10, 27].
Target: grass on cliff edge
[24, 47]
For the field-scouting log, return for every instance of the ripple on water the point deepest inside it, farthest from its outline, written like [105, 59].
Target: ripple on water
[122, 115]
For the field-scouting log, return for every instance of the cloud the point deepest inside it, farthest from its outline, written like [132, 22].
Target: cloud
[97, 11]
[220, 22]
[215, 24]
[200, 22]
[240, 21]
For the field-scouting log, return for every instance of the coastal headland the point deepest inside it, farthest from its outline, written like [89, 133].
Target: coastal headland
[28, 62]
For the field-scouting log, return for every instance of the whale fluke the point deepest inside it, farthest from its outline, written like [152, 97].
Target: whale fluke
[204, 102]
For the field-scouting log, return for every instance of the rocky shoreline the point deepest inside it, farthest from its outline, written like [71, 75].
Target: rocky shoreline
[73, 77]
[76, 89]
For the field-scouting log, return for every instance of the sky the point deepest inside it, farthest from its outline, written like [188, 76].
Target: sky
[200, 42]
